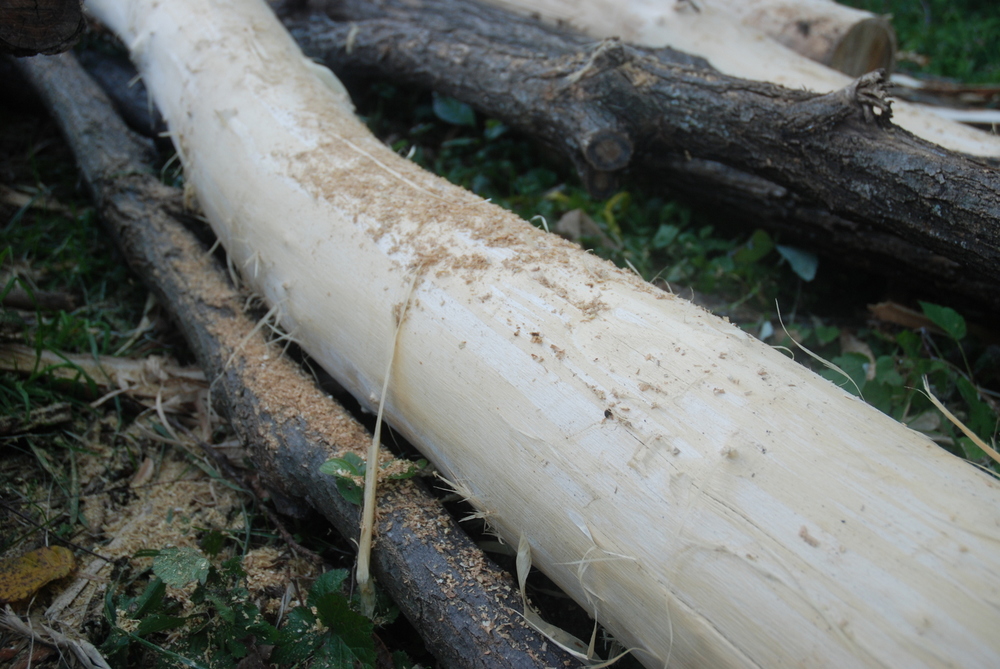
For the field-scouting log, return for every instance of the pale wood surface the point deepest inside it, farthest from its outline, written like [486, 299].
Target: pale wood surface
[714, 503]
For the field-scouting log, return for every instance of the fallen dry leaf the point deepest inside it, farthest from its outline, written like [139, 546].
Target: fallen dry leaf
[576, 224]
[893, 312]
[21, 577]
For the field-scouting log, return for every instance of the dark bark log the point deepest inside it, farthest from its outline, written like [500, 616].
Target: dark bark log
[29, 27]
[120, 80]
[463, 607]
[828, 170]
[42, 300]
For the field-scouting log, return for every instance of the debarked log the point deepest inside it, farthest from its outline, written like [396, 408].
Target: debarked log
[463, 606]
[846, 39]
[807, 165]
[712, 502]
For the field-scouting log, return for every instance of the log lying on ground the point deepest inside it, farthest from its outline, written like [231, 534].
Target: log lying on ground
[807, 165]
[462, 605]
[705, 29]
[849, 40]
[714, 503]
[28, 27]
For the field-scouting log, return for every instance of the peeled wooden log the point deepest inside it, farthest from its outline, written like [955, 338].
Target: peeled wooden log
[446, 587]
[712, 502]
[850, 40]
[705, 29]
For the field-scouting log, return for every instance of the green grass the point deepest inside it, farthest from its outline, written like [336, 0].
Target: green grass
[959, 38]
[61, 252]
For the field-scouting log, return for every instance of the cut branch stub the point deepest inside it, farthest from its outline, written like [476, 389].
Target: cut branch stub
[31, 27]
[869, 92]
[600, 184]
[867, 95]
[607, 150]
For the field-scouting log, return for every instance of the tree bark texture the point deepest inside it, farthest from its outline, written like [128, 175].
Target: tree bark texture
[710, 30]
[462, 605]
[29, 27]
[829, 170]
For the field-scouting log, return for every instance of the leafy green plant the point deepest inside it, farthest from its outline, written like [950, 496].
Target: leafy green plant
[222, 625]
[350, 474]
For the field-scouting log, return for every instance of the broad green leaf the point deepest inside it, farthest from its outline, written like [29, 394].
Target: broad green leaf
[350, 490]
[803, 263]
[212, 542]
[351, 464]
[329, 582]
[297, 638]
[853, 365]
[947, 319]
[180, 566]
[665, 236]
[885, 372]
[347, 469]
[494, 129]
[826, 334]
[981, 418]
[149, 600]
[910, 342]
[336, 654]
[351, 627]
[158, 622]
[758, 246]
[452, 111]
[879, 395]
[971, 451]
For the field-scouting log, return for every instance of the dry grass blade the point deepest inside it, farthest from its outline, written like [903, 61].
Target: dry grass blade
[84, 651]
[823, 361]
[363, 576]
[569, 643]
[990, 451]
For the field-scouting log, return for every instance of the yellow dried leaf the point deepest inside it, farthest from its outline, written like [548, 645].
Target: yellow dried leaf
[21, 577]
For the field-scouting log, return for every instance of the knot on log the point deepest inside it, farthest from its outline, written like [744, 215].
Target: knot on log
[609, 54]
[870, 92]
[607, 150]
[599, 184]
[867, 94]
[48, 27]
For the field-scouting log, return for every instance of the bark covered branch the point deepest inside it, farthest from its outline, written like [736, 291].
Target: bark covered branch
[829, 170]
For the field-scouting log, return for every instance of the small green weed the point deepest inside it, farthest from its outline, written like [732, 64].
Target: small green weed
[350, 474]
